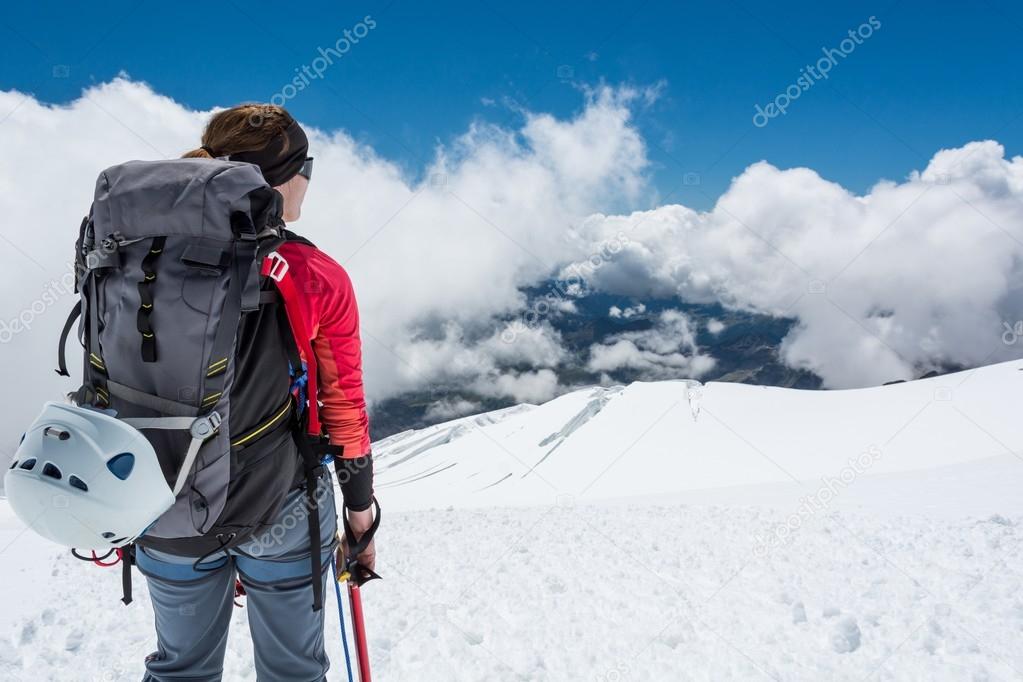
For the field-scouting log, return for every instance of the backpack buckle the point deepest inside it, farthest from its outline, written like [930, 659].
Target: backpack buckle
[204, 427]
[275, 266]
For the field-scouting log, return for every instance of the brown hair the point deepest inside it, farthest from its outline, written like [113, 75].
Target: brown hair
[242, 128]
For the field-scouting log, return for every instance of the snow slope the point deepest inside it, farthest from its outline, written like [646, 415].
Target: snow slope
[660, 531]
[668, 437]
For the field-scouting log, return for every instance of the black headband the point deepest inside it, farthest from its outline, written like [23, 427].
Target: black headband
[282, 157]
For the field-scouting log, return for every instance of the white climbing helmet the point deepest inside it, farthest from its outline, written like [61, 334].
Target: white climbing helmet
[84, 479]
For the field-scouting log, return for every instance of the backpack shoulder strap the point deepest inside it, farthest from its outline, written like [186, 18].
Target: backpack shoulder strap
[296, 238]
[312, 445]
[276, 268]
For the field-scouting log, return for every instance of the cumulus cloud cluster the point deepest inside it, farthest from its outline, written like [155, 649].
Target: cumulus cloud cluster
[911, 275]
[434, 260]
[488, 366]
[667, 350]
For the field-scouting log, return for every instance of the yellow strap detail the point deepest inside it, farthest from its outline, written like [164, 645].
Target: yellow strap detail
[216, 367]
[273, 420]
[210, 398]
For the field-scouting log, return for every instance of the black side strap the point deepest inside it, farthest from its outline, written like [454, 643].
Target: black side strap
[95, 369]
[127, 560]
[313, 468]
[146, 299]
[85, 237]
[75, 313]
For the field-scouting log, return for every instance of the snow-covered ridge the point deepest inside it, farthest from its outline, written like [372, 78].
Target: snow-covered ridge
[668, 437]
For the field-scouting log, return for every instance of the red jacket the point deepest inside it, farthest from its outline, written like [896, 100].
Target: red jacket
[328, 308]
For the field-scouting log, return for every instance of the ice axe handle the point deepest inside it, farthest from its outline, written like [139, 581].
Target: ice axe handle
[357, 573]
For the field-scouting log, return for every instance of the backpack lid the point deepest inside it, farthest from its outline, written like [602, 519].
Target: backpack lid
[142, 199]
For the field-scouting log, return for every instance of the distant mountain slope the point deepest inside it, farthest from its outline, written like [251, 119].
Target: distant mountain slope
[668, 437]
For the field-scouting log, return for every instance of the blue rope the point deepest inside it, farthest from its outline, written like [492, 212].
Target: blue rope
[341, 616]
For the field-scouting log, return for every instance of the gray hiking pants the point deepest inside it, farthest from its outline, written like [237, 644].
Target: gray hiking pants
[193, 607]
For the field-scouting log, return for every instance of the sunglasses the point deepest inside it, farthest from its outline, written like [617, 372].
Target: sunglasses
[306, 171]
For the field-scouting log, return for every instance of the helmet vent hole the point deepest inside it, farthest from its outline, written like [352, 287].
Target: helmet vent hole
[121, 465]
[76, 482]
[14, 464]
[118, 541]
[108, 535]
[28, 464]
[51, 470]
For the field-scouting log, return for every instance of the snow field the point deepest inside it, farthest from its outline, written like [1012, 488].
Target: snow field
[652, 592]
[646, 533]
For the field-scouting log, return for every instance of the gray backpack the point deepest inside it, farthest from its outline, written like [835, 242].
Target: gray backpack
[187, 339]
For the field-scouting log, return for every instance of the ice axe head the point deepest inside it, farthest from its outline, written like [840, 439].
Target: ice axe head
[356, 573]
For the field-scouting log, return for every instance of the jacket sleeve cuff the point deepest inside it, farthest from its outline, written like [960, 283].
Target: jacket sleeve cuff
[355, 476]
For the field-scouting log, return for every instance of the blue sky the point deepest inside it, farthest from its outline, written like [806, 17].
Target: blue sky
[932, 76]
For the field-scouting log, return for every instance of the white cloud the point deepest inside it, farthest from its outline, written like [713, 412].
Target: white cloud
[483, 366]
[447, 409]
[523, 387]
[629, 312]
[456, 247]
[715, 326]
[666, 350]
[907, 277]
[515, 344]
[566, 306]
